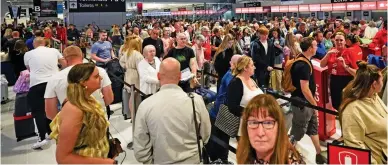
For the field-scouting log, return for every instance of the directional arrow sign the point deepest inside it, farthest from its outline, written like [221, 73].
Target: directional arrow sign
[73, 5]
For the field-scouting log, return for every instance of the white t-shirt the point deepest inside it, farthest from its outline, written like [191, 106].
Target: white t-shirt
[57, 85]
[43, 63]
[265, 44]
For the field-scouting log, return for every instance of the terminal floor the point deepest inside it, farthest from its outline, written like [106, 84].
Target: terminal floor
[13, 152]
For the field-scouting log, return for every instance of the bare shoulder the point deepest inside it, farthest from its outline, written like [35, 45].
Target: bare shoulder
[71, 111]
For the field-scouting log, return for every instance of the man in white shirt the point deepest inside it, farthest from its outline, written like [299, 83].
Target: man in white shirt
[57, 85]
[164, 132]
[42, 62]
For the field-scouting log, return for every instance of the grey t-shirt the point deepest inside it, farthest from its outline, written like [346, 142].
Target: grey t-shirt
[102, 50]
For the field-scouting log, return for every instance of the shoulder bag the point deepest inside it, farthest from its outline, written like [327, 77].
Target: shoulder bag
[203, 155]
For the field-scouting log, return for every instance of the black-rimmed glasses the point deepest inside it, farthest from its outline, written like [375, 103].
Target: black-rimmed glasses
[268, 124]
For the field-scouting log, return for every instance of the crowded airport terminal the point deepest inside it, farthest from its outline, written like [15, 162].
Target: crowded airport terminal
[194, 82]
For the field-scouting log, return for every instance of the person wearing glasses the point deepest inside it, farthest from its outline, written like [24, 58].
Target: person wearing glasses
[264, 137]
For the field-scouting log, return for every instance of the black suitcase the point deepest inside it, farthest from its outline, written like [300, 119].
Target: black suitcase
[23, 120]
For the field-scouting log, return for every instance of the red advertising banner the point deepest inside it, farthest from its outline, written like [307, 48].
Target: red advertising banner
[382, 5]
[347, 155]
[339, 6]
[293, 8]
[190, 12]
[303, 8]
[315, 7]
[244, 10]
[252, 10]
[353, 6]
[368, 6]
[275, 9]
[259, 9]
[238, 10]
[283, 8]
[326, 7]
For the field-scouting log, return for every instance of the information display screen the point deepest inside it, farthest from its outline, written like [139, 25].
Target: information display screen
[97, 5]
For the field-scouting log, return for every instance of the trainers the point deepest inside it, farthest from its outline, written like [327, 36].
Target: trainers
[40, 144]
[319, 159]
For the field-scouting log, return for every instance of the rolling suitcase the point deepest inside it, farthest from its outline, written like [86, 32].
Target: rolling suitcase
[23, 120]
[125, 105]
[4, 89]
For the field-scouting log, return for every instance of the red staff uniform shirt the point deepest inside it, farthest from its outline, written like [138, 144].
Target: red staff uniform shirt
[208, 49]
[378, 41]
[335, 66]
[355, 53]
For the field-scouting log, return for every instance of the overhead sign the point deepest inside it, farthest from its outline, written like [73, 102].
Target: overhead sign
[199, 8]
[182, 9]
[252, 4]
[368, 5]
[97, 5]
[48, 9]
[342, 1]
[347, 155]
[353, 6]
[382, 5]
[36, 4]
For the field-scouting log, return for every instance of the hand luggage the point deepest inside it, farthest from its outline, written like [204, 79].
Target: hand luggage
[113, 67]
[23, 120]
[125, 104]
[22, 85]
[207, 95]
[7, 70]
[4, 89]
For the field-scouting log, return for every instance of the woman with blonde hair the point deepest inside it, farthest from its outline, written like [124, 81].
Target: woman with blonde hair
[222, 57]
[80, 128]
[363, 114]
[116, 40]
[130, 59]
[290, 49]
[264, 137]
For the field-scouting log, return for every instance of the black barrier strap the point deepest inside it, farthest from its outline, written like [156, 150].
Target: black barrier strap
[277, 68]
[210, 74]
[302, 103]
[128, 85]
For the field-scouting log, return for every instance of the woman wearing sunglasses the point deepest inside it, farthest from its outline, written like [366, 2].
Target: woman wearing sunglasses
[264, 137]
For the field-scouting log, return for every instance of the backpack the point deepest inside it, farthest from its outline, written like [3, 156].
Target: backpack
[287, 79]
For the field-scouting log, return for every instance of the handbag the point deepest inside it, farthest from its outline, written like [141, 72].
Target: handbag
[227, 122]
[203, 154]
[114, 147]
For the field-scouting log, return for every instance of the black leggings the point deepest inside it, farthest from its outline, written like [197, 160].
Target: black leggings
[337, 84]
[35, 99]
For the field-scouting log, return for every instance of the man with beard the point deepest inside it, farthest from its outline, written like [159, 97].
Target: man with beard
[102, 51]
